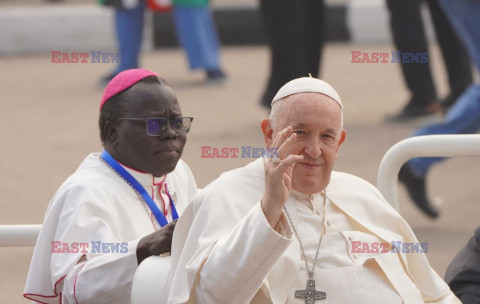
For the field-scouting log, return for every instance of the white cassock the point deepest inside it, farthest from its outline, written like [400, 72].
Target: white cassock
[224, 250]
[96, 205]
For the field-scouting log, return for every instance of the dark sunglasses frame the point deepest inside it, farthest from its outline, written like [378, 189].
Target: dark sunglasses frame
[162, 122]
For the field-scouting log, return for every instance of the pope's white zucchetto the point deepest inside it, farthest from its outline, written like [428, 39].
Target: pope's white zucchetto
[307, 85]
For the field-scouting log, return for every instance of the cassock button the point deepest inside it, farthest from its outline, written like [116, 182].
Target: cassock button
[355, 256]
[351, 238]
[330, 222]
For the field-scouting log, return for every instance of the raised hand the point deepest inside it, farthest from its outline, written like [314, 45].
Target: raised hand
[278, 175]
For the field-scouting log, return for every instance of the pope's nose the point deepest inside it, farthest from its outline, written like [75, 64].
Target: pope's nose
[313, 148]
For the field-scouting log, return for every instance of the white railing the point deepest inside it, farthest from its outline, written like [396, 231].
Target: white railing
[19, 235]
[420, 146]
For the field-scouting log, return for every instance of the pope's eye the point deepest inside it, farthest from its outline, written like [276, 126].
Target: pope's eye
[300, 132]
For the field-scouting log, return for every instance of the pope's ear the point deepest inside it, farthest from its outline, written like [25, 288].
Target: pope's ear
[111, 133]
[267, 131]
[340, 142]
[342, 137]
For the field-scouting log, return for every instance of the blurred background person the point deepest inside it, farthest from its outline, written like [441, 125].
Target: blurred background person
[195, 29]
[295, 31]
[409, 36]
[462, 118]
[198, 37]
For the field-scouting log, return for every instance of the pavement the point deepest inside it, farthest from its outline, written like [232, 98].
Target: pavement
[49, 125]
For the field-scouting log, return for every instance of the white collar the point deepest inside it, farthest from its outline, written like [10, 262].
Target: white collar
[146, 179]
[313, 201]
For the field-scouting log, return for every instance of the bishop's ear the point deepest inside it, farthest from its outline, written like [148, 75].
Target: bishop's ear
[267, 131]
[111, 132]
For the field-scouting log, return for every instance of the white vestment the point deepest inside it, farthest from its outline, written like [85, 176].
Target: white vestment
[96, 205]
[224, 250]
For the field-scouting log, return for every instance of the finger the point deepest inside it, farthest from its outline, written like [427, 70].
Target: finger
[173, 223]
[279, 140]
[171, 228]
[168, 227]
[281, 136]
[286, 146]
[289, 161]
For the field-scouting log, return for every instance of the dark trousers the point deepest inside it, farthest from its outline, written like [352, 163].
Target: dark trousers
[409, 36]
[295, 30]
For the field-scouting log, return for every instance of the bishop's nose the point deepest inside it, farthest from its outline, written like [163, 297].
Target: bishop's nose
[169, 132]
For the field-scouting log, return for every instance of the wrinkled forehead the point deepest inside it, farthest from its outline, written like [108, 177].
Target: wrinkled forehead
[311, 109]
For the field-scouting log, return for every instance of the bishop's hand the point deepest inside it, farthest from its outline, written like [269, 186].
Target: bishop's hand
[156, 243]
[278, 176]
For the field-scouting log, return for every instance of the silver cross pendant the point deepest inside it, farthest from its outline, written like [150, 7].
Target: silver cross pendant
[310, 294]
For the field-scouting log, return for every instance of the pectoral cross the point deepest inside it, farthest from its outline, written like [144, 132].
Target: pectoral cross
[310, 294]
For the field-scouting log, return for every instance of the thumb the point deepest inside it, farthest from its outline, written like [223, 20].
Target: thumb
[290, 162]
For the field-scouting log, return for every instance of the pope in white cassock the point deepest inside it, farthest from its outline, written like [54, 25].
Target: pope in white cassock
[112, 213]
[281, 230]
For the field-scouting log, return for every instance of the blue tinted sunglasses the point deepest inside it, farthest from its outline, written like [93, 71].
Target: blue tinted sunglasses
[157, 126]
